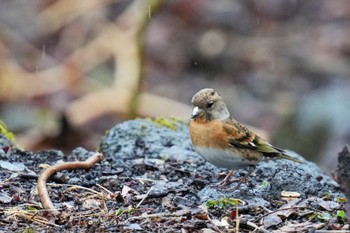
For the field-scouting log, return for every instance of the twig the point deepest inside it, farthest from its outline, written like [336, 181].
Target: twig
[212, 222]
[252, 225]
[101, 187]
[15, 212]
[54, 178]
[237, 219]
[45, 175]
[138, 205]
[158, 215]
[283, 209]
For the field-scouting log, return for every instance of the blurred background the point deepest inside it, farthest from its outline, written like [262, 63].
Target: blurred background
[70, 70]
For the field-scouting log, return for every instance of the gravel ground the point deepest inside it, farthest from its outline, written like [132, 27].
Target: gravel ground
[152, 180]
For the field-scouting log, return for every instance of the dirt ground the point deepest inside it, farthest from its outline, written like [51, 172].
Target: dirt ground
[151, 180]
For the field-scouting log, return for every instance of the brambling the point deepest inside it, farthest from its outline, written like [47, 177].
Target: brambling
[223, 141]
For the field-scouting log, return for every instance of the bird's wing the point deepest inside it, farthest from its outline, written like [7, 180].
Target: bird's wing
[240, 136]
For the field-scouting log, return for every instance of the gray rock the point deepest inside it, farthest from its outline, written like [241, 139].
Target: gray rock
[145, 139]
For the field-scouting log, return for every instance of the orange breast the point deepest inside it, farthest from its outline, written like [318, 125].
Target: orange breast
[208, 134]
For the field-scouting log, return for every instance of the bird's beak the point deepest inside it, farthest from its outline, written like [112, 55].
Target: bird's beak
[195, 112]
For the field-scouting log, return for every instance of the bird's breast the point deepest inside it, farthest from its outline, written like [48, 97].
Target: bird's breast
[211, 142]
[208, 134]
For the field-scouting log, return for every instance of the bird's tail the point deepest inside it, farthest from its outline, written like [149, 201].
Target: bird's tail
[284, 156]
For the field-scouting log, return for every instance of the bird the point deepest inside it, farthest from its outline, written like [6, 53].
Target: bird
[223, 141]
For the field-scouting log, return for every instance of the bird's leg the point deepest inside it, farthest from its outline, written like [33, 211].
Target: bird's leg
[225, 181]
[250, 171]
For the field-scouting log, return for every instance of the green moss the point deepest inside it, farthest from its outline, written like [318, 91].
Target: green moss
[223, 202]
[29, 230]
[143, 127]
[171, 123]
[3, 130]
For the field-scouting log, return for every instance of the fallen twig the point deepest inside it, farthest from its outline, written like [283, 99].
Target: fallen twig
[157, 215]
[29, 215]
[146, 195]
[283, 209]
[45, 175]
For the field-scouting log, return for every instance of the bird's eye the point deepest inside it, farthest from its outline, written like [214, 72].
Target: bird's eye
[210, 104]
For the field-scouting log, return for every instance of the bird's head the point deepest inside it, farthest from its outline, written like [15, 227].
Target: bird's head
[208, 105]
